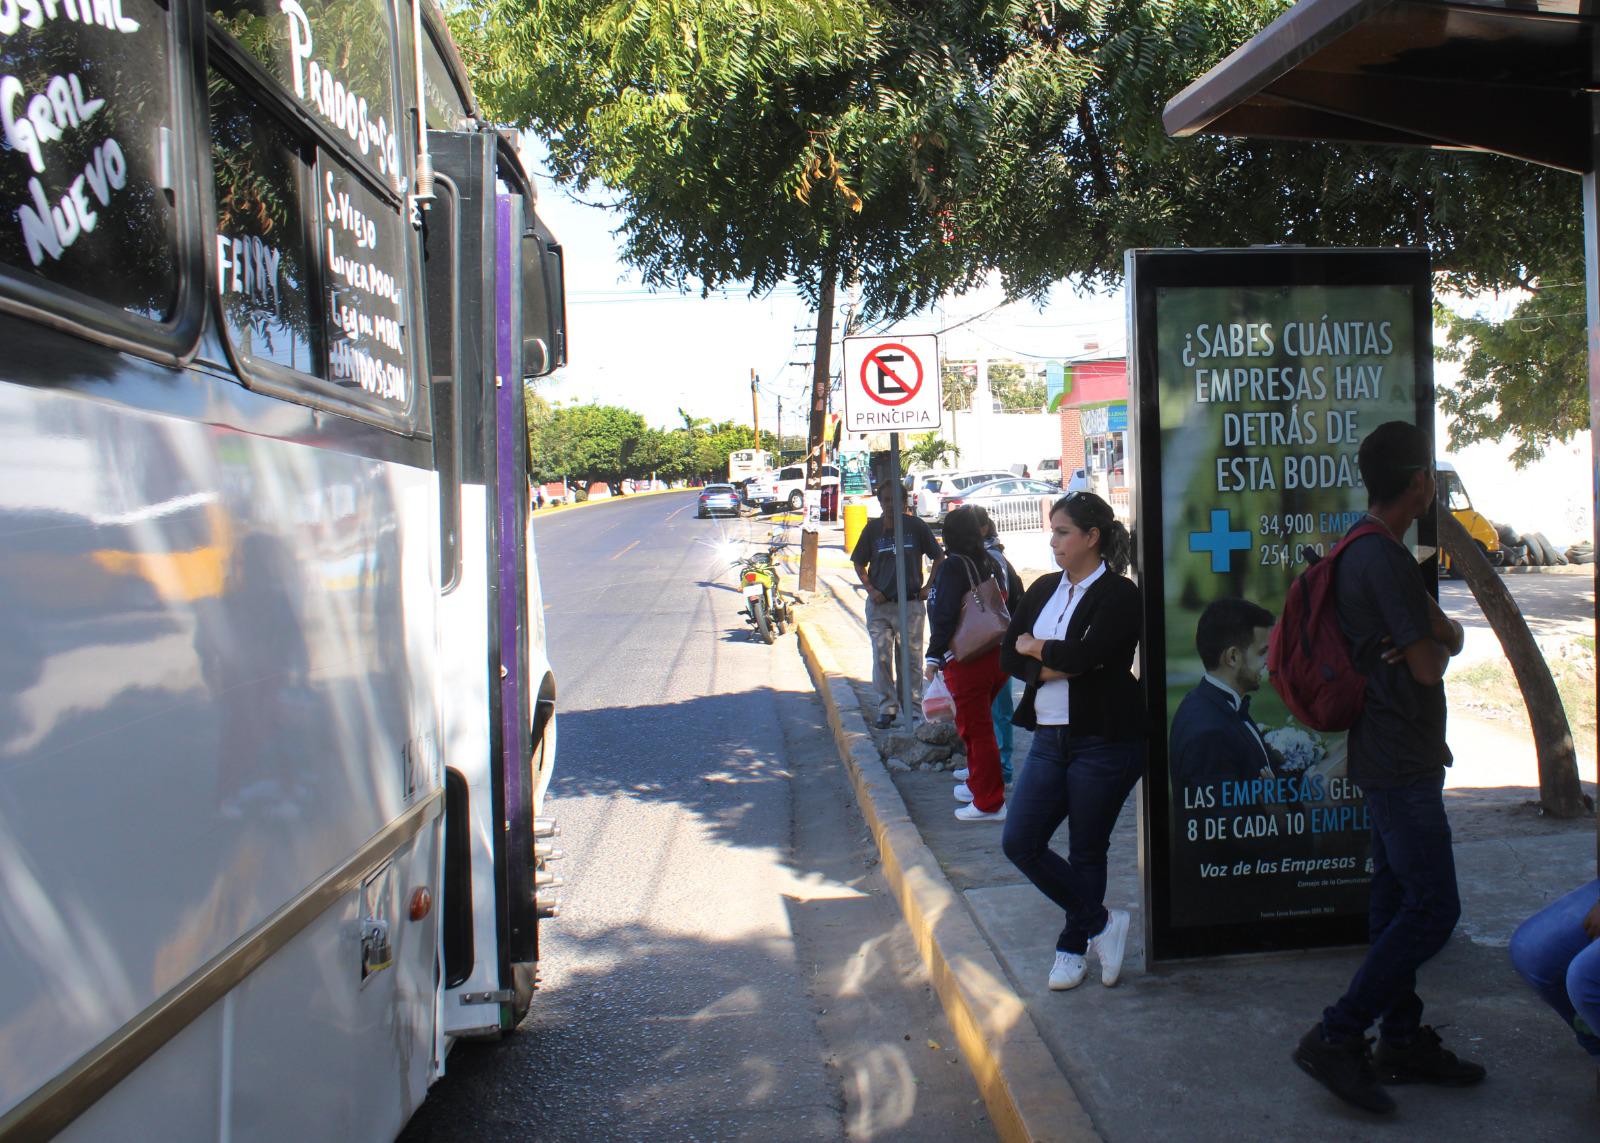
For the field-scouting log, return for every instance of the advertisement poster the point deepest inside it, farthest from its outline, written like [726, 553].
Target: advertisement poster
[1259, 374]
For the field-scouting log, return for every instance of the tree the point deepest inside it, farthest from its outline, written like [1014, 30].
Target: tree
[1560, 793]
[929, 451]
[1524, 378]
[958, 385]
[821, 142]
[587, 443]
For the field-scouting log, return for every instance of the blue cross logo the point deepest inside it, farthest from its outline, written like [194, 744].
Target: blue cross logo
[1221, 541]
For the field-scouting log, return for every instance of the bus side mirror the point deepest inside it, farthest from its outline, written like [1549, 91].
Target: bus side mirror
[535, 358]
[544, 308]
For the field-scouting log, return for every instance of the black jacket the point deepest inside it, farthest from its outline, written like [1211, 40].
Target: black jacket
[1212, 742]
[1106, 700]
[950, 587]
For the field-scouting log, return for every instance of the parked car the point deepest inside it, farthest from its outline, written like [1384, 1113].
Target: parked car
[715, 498]
[1048, 469]
[1078, 481]
[1015, 497]
[935, 488]
[786, 486]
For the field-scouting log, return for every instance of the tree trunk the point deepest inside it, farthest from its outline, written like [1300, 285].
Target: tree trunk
[1560, 793]
[820, 373]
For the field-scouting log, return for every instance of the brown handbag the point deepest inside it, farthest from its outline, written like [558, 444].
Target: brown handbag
[984, 617]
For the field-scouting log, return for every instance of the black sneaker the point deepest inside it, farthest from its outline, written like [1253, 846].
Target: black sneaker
[1425, 1060]
[1344, 1068]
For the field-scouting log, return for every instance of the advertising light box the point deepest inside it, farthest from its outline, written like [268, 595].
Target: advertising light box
[1257, 374]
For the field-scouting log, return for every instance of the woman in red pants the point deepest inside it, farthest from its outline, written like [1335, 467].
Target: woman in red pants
[972, 684]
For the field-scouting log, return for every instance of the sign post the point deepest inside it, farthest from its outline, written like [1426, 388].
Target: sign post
[1257, 374]
[893, 383]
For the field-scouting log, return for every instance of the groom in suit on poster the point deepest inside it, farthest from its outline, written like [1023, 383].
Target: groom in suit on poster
[1214, 739]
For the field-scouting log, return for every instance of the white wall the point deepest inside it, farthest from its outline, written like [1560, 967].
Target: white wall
[999, 440]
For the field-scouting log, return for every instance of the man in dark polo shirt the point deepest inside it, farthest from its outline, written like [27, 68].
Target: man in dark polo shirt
[874, 562]
[1402, 642]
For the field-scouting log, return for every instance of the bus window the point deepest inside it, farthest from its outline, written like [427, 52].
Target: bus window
[447, 109]
[87, 161]
[311, 245]
[335, 59]
[363, 257]
[263, 257]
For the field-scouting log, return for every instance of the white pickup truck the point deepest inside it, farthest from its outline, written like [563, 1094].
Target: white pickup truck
[786, 485]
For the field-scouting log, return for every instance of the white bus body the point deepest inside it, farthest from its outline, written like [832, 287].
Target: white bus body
[747, 462]
[276, 717]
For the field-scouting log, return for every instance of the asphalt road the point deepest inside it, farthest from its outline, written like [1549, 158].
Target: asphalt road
[728, 964]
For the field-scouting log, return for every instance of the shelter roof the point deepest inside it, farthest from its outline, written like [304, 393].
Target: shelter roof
[1508, 76]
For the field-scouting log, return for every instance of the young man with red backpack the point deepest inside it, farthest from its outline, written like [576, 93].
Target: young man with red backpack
[1401, 642]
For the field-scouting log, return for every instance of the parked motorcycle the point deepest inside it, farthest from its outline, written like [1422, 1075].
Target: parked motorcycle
[766, 608]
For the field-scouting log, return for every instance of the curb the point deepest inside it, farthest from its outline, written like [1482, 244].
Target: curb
[1028, 1098]
[551, 509]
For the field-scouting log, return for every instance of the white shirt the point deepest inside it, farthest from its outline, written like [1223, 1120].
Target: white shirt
[1051, 703]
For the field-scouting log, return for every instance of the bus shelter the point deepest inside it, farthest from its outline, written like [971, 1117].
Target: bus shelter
[1514, 77]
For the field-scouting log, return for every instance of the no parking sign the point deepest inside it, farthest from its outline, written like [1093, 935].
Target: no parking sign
[891, 384]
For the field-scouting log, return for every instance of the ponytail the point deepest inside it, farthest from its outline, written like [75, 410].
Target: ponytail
[1115, 546]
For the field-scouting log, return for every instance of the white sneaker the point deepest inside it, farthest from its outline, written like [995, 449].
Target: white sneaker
[1110, 945]
[962, 792]
[1068, 971]
[961, 775]
[971, 813]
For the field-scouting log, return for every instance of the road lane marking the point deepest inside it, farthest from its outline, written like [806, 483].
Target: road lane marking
[673, 513]
[626, 550]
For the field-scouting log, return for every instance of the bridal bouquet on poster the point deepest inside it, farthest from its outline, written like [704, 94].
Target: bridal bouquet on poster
[1302, 749]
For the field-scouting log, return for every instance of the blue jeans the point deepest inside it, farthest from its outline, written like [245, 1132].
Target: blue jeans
[1083, 782]
[1001, 712]
[1562, 962]
[1414, 908]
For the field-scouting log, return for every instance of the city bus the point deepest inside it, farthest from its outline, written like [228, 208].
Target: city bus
[743, 463]
[276, 716]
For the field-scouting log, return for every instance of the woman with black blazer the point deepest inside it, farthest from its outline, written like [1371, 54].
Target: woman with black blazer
[1072, 642]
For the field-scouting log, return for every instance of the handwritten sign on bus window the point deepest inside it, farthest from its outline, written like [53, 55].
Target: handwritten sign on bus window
[335, 58]
[263, 263]
[85, 119]
[365, 271]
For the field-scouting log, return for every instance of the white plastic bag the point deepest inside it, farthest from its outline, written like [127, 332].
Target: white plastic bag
[937, 705]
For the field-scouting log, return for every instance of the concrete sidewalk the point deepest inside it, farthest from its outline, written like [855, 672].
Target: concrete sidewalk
[1200, 1050]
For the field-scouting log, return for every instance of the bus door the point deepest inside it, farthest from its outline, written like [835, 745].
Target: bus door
[498, 684]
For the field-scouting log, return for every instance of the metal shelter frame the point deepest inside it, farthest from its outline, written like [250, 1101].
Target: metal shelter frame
[1513, 77]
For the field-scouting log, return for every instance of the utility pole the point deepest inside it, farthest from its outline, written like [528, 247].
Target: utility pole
[820, 377]
[778, 460]
[755, 407]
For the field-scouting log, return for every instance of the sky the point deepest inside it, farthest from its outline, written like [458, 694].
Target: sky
[655, 352]
[658, 351]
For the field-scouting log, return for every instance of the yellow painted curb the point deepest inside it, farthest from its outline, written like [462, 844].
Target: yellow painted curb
[548, 509]
[1028, 1098]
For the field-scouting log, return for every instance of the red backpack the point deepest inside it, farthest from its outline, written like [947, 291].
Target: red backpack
[1308, 658]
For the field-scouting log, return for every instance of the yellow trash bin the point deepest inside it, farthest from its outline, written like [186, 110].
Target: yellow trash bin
[855, 521]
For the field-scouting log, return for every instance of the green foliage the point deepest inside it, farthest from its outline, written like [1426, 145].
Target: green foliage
[929, 451]
[1526, 377]
[585, 443]
[911, 147]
